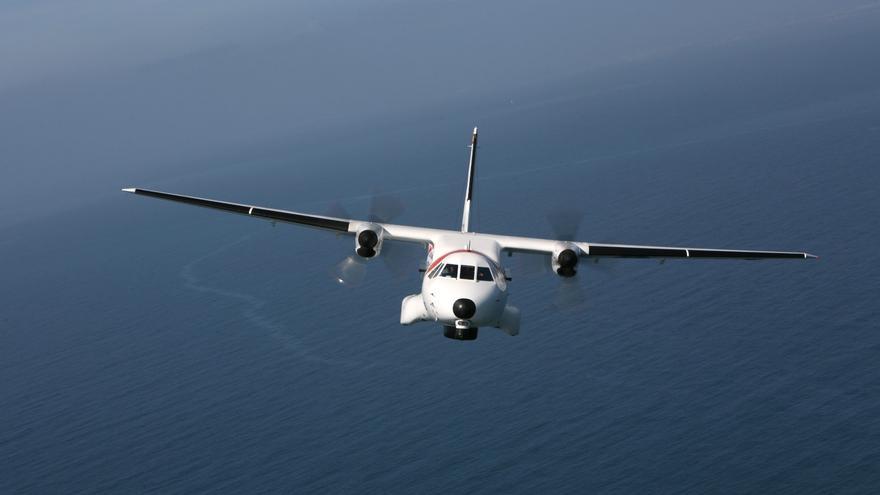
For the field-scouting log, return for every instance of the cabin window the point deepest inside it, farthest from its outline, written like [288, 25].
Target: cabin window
[449, 270]
[467, 272]
[484, 274]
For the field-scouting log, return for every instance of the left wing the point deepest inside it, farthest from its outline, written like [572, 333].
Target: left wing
[317, 221]
[590, 249]
[404, 233]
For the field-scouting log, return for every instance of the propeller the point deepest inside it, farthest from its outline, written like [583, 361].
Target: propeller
[565, 223]
[351, 271]
[569, 294]
[383, 208]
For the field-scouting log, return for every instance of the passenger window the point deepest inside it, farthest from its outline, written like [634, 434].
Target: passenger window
[467, 272]
[484, 274]
[450, 271]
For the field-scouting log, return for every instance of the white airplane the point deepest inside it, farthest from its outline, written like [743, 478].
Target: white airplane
[464, 286]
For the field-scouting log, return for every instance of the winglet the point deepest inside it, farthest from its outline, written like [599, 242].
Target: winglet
[129, 189]
[810, 256]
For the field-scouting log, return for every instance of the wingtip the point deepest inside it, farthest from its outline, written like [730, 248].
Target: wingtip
[810, 256]
[129, 189]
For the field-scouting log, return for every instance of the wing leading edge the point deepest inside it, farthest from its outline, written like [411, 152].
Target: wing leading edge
[317, 221]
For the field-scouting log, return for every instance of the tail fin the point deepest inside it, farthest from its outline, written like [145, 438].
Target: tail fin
[472, 163]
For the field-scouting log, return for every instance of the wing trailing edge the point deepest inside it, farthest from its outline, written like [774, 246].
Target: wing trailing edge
[625, 251]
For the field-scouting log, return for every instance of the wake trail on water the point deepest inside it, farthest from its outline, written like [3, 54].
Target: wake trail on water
[253, 308]
[253, 313]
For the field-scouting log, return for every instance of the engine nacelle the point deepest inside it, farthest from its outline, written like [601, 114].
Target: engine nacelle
[368, 241]
[565, 260]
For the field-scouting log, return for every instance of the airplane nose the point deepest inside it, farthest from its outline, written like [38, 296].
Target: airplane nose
[464, 308]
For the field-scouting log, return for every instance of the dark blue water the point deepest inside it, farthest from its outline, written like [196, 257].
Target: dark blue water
[152, 347]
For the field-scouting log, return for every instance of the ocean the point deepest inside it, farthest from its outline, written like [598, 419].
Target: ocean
[155, 347]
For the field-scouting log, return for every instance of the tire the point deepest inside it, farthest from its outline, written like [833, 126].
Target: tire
[451, 332]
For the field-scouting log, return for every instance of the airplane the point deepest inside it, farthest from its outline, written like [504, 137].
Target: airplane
[465, 286]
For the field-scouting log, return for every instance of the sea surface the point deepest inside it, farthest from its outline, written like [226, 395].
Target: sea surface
[156, 347]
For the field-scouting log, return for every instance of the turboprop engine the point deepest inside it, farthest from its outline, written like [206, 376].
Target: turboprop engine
[368, 241]
[565, 260]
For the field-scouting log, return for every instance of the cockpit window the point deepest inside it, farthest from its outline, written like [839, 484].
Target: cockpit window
[449, 270]
[466, 272]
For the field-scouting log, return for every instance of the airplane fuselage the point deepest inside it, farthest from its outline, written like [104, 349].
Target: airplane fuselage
[464, 287]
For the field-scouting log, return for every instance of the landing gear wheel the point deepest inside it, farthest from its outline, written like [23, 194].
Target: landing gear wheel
[451, 332]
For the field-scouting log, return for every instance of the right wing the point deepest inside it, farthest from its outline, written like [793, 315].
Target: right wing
[628, 251]
[590, 249]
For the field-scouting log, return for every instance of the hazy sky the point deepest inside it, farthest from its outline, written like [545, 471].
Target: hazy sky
[97, 93]
[44, 40]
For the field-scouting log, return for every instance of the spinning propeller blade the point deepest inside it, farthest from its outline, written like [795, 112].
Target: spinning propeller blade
[383, 208]
[351, 271]
[565, 224]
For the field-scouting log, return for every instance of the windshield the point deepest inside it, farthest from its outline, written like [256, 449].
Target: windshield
[449, 271]
[470, 272]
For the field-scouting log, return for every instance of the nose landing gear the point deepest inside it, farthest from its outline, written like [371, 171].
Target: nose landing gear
[462, 330]
[451, 332]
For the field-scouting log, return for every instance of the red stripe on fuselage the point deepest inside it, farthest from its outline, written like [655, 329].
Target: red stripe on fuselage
[438, 260]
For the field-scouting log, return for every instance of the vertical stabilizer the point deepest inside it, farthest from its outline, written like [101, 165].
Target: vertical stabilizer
[472, 163]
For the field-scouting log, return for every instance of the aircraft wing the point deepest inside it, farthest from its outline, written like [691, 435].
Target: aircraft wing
[403, 233]
[589, 249]
[316, 221]
[423, 235]
[627, 251]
